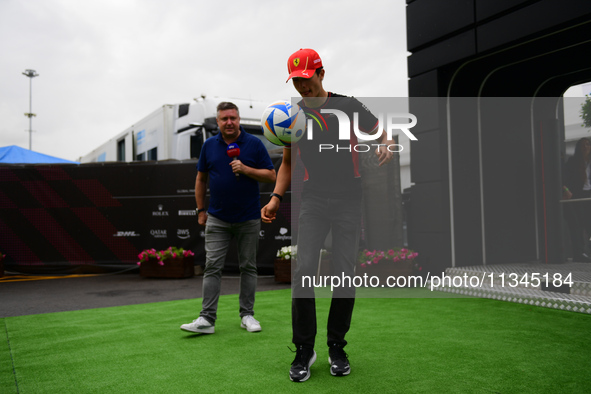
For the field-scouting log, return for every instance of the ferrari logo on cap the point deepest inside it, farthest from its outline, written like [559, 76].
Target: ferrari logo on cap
[296, 61]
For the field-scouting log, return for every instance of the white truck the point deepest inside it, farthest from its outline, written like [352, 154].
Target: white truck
[176, 131]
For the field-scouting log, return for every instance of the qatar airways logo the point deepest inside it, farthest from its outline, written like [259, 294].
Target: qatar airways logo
[392, 122]
[158, 233]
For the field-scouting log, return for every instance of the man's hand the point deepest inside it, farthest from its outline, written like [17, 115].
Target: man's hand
[237, 167]
[269, 211]
[384, 155]
[202, 218]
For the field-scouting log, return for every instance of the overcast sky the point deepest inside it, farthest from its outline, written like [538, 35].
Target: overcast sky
[105, 64]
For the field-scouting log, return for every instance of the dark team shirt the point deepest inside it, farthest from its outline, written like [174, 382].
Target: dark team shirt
[332, 165]
[233, 199]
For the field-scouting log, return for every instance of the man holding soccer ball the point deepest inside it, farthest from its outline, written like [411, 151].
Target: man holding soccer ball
[331, 200]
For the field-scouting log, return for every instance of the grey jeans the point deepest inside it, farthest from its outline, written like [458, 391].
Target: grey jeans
[218, 235]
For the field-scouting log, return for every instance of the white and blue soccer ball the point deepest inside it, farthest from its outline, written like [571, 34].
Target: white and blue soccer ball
[283, 124]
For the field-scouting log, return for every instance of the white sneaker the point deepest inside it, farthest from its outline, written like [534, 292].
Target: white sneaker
[250, 323]
[199, 325]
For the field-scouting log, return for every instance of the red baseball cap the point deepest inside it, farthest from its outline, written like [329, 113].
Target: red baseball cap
[303, 63]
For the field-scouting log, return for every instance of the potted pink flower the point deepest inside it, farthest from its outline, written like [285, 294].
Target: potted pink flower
[396, 255]
[384, 263]
[172, 262]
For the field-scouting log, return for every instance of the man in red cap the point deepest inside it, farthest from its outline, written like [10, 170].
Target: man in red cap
[331, 201]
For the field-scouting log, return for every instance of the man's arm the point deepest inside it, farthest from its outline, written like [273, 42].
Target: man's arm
[269, 211]
[200, 190]
[264, 175]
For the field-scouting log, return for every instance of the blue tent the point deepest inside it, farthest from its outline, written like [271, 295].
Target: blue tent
[17, 155]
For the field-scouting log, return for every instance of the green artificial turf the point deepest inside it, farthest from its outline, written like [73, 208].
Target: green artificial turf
[407, 345]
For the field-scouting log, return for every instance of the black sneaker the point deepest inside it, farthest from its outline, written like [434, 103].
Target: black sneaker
[339, 362]
[300, 367]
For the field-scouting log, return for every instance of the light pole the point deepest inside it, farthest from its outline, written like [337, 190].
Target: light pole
[31, 74]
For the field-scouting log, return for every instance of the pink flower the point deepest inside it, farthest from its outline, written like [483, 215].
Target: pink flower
[395, 255]
[160, 262]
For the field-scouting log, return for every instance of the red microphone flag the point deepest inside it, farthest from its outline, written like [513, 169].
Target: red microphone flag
[233, 151]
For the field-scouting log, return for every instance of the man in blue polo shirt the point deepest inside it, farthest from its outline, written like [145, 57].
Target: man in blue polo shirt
[234, 212]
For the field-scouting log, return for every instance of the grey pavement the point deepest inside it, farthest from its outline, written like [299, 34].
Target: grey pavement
[18, 298]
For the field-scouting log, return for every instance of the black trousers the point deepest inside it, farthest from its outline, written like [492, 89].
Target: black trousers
[317, 217]
[303, 314]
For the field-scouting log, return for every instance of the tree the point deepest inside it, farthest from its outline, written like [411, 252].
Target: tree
[586, 111]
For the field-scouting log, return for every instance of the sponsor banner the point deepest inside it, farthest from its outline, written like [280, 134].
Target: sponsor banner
[108, 213]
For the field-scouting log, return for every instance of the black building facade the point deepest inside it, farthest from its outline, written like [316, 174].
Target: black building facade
[486, 166]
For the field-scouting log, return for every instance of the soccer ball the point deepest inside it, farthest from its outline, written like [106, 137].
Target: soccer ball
[283, 124]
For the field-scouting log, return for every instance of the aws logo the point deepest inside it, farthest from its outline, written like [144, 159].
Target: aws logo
[183, 233]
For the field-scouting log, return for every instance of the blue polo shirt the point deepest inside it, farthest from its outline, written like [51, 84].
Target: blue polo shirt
[233, 199]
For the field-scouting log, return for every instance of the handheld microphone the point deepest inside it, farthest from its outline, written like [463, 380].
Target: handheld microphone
[233, 151]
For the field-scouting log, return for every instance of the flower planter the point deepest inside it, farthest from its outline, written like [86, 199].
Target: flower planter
[385, 269]
[282, 270]
[178, 267]
[396, 263]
